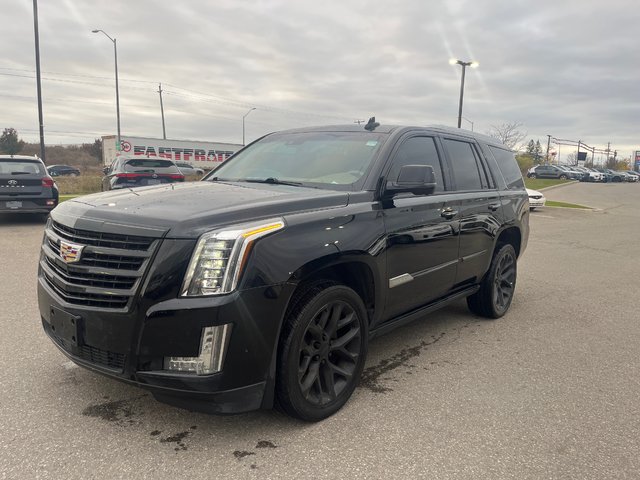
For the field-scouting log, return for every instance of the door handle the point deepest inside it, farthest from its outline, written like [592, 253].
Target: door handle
[448, 213]
[494, 206]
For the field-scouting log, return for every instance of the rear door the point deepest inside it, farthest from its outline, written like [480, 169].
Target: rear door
[478, 205]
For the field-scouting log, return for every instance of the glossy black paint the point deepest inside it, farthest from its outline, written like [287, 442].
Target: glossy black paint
[364, 238]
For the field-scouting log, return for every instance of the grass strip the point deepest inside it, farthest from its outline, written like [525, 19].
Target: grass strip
[551, 203]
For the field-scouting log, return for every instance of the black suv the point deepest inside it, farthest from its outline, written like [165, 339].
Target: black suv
[25, 185]
[264, 282]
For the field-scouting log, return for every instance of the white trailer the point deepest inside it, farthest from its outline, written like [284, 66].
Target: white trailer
[206, 155]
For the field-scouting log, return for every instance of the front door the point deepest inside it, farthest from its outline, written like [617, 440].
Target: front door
[422, 240]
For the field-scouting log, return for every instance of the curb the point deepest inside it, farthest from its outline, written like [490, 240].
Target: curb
[558, 186]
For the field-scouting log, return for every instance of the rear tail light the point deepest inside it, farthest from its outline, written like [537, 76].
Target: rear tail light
[129, 175]
[48, 182]
[176, 177]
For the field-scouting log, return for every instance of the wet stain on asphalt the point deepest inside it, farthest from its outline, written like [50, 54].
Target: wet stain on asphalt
[178, 438]
[265, 444]
[240, 454]
[371, 376]
[116, 411]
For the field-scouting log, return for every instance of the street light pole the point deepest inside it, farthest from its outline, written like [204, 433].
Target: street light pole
[115, 54]
[243, 117]
[464, 65]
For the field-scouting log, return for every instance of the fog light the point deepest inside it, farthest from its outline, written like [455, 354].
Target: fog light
[51, 202]
[213, 346]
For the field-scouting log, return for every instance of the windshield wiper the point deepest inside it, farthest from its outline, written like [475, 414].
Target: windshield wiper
[271, 180]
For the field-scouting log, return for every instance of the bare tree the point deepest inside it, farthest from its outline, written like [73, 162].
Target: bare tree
[509, 134]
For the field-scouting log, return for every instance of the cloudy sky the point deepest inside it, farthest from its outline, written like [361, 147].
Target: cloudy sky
[568, 68]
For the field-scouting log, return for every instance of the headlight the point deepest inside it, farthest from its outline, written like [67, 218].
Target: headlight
[220, 257]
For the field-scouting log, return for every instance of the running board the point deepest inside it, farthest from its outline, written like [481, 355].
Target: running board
[420, 312]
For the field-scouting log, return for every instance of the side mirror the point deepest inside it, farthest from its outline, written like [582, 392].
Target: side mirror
[105, 170]
[416, 179]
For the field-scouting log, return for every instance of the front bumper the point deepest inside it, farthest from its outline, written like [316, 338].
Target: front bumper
[130, 345]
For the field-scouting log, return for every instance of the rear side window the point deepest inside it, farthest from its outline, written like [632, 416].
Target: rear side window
[508, 167]
[468, 171]
[138, 164]
[17, 167]
[418, 151]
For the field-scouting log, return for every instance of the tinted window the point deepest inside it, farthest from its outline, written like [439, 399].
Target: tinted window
[150, 164]
[508, 167]
[21, 167]
[468, 173]
[418, 151]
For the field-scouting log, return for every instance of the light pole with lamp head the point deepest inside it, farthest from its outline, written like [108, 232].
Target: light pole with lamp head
[115, 53]
[243, 117]
[455, 61]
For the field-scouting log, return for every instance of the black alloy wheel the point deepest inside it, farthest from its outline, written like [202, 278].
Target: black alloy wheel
[322, 352]
[498, 286]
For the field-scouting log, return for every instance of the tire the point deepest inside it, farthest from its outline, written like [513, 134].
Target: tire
[563, 177]
[323, 347]
[498, 285]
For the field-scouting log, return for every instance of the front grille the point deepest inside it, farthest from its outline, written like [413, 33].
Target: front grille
[100, 239]
[109, 270]
[102, 357]
[91, 354]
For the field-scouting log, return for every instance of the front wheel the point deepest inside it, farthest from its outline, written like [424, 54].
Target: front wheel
[322, 352]
[563, 177]
[498, 286]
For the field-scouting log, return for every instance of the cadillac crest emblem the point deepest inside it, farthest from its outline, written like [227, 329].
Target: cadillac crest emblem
[70, 252]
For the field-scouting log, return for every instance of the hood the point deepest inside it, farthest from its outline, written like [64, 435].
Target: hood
[186, 210]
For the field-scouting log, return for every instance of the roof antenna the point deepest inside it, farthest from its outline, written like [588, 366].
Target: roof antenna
[371, 124]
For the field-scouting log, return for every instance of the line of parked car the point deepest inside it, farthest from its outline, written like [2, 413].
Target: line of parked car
[583, 174]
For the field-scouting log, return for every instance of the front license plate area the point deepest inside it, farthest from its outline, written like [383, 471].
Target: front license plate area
[65, 325]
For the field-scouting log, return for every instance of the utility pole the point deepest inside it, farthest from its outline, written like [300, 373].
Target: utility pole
[38, 83]
[548, 145]
[164, 132]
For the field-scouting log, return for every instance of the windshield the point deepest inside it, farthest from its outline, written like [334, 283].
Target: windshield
[335, 160]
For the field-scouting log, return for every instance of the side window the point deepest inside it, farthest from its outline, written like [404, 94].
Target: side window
[418, 151]
[468, 172]
[508, 167]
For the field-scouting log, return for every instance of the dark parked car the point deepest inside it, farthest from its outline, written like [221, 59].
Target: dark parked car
[25, 185]
[265, 281]
[61, 170]
[128, 172]
[549, 171]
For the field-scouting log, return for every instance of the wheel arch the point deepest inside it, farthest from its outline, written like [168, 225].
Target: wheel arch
[510, 235]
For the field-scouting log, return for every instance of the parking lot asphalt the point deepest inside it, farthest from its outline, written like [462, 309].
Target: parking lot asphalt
[549, 391]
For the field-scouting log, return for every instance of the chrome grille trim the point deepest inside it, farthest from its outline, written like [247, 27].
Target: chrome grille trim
[109, 272]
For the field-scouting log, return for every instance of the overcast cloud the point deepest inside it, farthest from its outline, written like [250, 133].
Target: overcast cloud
[569, 69]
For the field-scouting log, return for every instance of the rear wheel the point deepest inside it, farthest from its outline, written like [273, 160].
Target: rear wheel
[322, 352]
[498, 286]
[563, 177]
